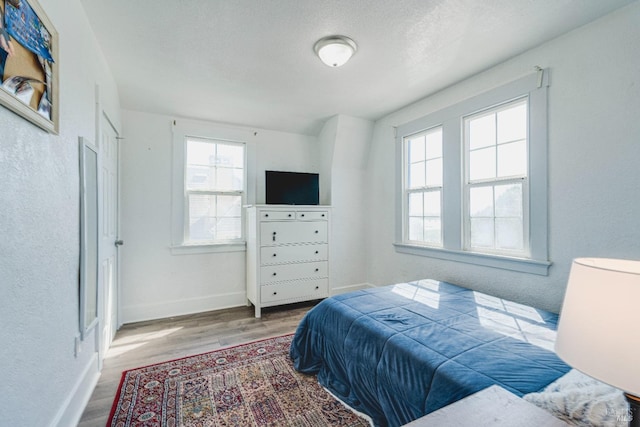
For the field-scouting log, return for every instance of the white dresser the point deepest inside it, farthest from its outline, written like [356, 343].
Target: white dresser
[287, 254]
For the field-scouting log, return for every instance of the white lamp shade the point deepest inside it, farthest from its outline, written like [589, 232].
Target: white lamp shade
[335, 51]
[598, 327]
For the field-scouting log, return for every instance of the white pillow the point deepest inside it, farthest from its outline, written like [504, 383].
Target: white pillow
[583, 401]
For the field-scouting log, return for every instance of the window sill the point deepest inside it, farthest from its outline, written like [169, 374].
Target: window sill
[208, 248]
[523, 265]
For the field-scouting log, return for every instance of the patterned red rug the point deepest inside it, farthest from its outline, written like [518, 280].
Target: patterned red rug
[248, 385]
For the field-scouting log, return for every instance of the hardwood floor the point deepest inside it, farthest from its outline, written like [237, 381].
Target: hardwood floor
[146, 343]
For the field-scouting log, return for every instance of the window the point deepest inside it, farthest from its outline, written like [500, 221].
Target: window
[214, 190]
[496, 179]
[473, 184]
[423, 187]
[213, 178]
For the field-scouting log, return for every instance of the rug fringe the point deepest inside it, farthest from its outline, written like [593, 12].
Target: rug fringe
[366, 417]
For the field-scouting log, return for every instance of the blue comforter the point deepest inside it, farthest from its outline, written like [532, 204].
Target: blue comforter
[399, 352]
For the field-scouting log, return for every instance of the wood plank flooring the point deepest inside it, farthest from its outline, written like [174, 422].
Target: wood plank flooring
[146, 343]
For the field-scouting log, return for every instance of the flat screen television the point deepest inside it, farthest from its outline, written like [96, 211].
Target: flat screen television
[292, 188]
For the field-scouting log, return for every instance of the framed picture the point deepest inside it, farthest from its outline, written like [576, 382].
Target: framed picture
[29, 63]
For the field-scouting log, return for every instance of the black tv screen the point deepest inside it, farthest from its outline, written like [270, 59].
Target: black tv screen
[292, 188]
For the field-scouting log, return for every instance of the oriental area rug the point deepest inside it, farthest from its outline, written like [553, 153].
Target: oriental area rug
[252, 384]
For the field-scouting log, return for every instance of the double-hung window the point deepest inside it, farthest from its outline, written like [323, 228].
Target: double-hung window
[423, 187]
[214, 190]
[473, 184]
[212, 182]
[496, 184]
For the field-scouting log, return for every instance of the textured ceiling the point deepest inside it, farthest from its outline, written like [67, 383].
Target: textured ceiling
[251, 62]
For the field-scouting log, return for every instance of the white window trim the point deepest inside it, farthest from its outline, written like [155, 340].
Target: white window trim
[185, 128]
[468, 184]
[535, 86]
[423, 190]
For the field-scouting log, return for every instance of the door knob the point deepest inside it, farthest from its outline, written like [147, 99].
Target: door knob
[119, 242]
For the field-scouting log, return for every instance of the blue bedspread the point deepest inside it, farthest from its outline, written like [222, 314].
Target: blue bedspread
[399, 352]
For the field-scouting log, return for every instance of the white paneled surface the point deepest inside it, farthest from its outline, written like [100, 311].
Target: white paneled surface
[108, 284]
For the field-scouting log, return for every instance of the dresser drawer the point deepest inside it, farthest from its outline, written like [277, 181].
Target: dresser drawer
[297, 289]
[312, 215]
[270, 255]
[277, 215]
[279, 232]
[304, 270]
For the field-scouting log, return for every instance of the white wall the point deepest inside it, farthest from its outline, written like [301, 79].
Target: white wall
[349, 152]
[326, 143]
[594, 153]
[592, 105]
[41, 382]
[155, 283]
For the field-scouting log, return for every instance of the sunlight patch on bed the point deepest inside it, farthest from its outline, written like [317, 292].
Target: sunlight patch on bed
[514, 320]
[537, 335]
[497, 321]
[420, 294]
[514, 308]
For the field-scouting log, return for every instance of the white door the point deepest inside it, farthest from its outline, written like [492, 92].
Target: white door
[109, 243]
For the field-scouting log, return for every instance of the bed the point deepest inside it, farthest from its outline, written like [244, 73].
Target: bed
[398, 352]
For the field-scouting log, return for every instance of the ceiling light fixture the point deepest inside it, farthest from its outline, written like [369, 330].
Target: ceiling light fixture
[335, 50]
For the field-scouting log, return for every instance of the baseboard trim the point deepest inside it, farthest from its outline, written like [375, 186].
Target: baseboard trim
[349, 288]
[142, 312]
[74, 405]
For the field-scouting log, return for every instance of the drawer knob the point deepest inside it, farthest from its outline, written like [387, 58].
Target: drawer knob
[322, 215]
[266, 215]
[302, 215]
[317, 252]
[317, 231]
[275, 293]
[275, 274]
[289, 215]
[317, 269]
[317, 287]
[274, 254]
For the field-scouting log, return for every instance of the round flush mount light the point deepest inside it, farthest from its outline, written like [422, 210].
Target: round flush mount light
[335, 50]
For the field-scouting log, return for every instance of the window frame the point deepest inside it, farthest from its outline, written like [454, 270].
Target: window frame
[407, 191]
[535, 87]
[183, 129]
[242, 193]
[468, 184]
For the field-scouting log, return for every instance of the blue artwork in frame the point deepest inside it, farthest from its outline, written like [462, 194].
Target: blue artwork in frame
[29, 63]
[22, 23]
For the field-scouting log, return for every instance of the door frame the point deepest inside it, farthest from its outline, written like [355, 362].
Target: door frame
[102, 119]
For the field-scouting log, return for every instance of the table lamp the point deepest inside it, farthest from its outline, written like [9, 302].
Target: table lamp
[598, 331]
